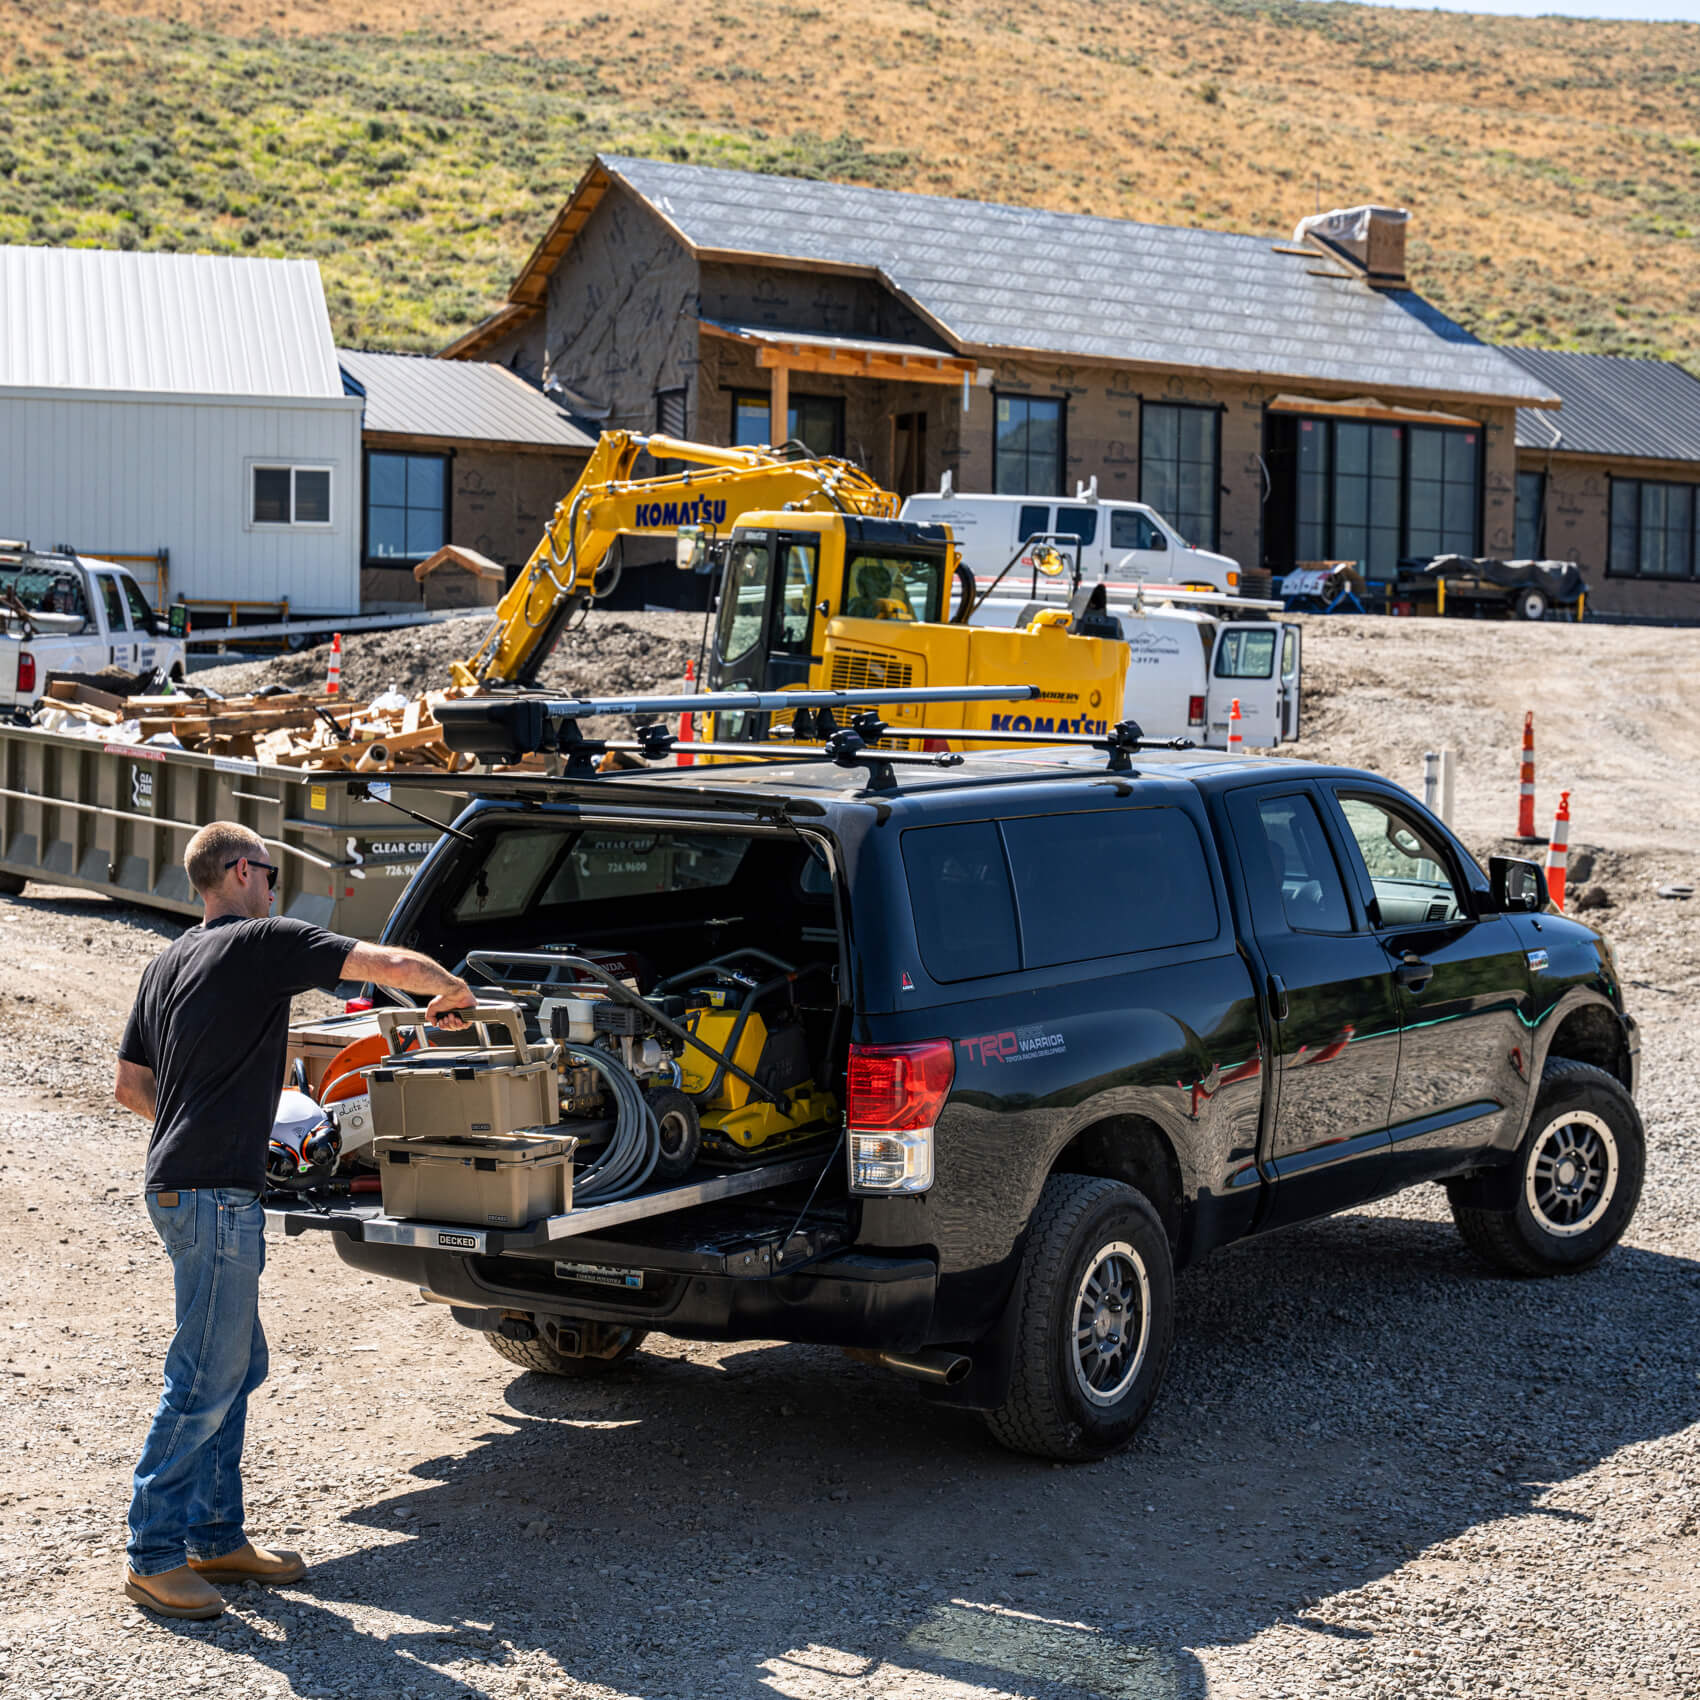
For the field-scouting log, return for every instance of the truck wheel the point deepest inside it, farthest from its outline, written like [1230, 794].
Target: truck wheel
[12, 885]
[1094, 1321]
[544, 1356]
[1530, 604]
[1577, 1175]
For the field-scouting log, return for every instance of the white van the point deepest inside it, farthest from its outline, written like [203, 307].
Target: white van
[1118, 540]
[1188, 665]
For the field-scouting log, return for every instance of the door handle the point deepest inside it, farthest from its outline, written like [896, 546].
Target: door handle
[1413, 973]
[1277, 997]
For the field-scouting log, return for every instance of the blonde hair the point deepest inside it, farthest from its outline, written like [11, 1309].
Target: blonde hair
[220, 842]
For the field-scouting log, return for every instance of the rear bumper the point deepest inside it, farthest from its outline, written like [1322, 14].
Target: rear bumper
[843, 1299]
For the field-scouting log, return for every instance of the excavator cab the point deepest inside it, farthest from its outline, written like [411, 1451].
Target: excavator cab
[791, 581]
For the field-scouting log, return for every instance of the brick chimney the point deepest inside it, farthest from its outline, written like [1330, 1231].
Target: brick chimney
[1369, 240]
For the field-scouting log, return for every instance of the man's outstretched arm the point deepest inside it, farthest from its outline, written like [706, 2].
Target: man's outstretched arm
[409, 971]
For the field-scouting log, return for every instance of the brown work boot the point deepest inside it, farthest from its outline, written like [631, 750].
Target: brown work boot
[174, 1593]
[250, 1563]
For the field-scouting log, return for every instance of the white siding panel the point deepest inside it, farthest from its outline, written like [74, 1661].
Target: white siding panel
[135, 475]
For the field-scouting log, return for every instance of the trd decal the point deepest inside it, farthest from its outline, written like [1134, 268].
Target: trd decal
[1014, 1044]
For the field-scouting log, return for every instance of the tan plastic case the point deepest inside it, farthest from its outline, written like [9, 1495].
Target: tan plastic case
[498, 1182]
[454, 1092]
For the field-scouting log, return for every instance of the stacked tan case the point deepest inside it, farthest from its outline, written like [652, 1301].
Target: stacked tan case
[460, 1128]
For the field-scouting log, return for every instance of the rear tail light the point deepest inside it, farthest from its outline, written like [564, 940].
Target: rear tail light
[892, 1100]
[26, 671]
[935, 746]
[356, 1006]
[1195, 711]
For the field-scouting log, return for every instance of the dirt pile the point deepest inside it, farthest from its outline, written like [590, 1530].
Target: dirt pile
[609, 655]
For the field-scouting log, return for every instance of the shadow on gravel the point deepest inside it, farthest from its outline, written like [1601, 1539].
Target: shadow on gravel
[1340, 1398]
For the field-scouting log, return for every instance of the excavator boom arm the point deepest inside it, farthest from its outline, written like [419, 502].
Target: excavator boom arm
[607, 503]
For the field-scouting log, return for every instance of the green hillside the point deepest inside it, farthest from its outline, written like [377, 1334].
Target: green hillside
[1554, 174]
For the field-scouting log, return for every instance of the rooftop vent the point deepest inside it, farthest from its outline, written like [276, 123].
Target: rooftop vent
[1370, 240]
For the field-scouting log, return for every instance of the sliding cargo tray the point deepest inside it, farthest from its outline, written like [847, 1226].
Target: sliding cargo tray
[368, 1222]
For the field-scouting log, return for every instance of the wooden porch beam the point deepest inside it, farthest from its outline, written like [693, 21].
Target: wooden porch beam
[862, 363]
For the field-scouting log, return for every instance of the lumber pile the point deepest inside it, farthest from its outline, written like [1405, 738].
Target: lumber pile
[297, 729]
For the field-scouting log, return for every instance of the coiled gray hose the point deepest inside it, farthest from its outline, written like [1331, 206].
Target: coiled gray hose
[629, 1158]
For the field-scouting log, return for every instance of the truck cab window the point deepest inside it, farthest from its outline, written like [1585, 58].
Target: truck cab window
[1134, 531]
[114, 601]
[744, 608]
[1287, 857]
[1407, 870]
[141, 615]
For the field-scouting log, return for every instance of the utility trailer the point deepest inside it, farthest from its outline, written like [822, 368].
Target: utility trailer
[114, 817]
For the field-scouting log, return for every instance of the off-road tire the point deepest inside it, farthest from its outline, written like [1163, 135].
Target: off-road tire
[1076, 1222]
[12, 885]
[537, 1354]
[1515, 1237]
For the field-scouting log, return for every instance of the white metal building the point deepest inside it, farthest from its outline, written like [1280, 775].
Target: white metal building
[182, 402]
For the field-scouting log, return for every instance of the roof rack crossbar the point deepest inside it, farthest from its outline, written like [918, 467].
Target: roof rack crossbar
[503, 728]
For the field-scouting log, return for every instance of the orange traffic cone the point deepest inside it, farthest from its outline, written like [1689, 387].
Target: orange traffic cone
[1235, 745]
[687, 723]
[1526, 785]
[1558, 852]
[333, 673]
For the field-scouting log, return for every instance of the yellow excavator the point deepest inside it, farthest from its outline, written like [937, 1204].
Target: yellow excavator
[822, 587]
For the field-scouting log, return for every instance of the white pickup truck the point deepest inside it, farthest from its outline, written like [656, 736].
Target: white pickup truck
[66, 613]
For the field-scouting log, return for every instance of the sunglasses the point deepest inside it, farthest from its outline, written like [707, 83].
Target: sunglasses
[271, 871]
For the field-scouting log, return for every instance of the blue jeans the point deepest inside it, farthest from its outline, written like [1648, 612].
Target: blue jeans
[188, 1490]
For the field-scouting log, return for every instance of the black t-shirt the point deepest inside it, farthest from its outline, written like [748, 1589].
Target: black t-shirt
[212, 1022]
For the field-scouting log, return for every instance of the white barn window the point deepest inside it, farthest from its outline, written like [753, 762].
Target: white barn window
[289, 496]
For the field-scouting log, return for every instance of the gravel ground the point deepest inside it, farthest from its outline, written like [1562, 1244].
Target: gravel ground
[1377, 1469]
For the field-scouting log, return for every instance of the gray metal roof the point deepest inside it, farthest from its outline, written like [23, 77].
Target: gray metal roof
[414, 395]
[1612, 406]
[1069, 284]
[94, 319]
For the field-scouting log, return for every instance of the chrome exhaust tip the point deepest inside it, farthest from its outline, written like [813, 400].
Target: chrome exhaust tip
[938, 1368]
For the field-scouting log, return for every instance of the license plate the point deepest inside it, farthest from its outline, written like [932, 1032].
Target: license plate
[599, 1274]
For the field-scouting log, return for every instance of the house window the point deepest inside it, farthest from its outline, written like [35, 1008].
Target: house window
[1366, 496]
[1442, 480]
[909, 453]
[815, 420]
[670, 411]
[1028, 446]
[1369, 491]
[289, 495]
[1531, 515]
[407, 507]
[1655, 529]
[1180, 454]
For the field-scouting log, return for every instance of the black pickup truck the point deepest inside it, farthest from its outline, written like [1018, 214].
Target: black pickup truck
[1084, 1027]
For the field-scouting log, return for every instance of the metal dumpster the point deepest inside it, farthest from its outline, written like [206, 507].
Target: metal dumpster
[115, 818]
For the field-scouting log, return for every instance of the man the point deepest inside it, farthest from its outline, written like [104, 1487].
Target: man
[203, 1059]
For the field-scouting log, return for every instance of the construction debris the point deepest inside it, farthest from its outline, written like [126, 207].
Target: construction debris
[283, 728]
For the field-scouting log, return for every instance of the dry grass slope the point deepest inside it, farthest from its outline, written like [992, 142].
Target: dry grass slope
[1553, 166]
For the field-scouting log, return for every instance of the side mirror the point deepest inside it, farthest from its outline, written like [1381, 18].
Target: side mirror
[690, 548]
[1050, 561]
[1159, 541]
[178, 619]
[1519, 887]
